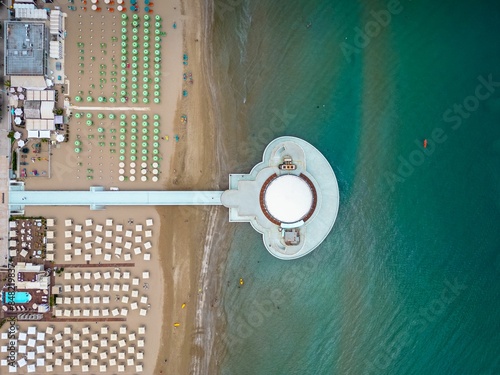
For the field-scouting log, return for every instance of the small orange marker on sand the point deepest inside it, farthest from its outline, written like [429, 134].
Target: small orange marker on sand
[425, 143]
[183, 305]
[177, 324]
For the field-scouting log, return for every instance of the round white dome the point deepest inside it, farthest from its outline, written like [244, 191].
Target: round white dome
[288, 198]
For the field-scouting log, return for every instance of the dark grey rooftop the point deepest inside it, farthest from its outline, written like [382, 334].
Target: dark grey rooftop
[25, 45]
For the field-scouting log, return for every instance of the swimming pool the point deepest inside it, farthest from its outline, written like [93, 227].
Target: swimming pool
[19, 297]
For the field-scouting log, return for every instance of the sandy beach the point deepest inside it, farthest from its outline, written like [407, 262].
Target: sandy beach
[180, 264]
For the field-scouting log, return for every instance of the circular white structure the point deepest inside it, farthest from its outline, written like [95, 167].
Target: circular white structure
[288, 198]
[291, 197]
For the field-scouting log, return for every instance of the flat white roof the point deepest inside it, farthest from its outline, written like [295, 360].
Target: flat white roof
[288, 198]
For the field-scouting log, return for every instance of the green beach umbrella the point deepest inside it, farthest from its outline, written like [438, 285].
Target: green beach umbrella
[100, 115]
[90, 123]
[89, 115]
[123, 86]
[157, 32]
[156, 86]
[123, 58]
[146, 17]
[124, 79]
[145, 116]
[146, 24]
[134, 86]
[135, 45]
[112, 116]
[146, 31]
[145, 58]
[112, 100]
[122, 158]
[156, 124]
[146, 45]
[144, 138]
[135, 58]
[156, 130]
[157, 52]
[123, 123]
[155, 158]
[123, 116]
[123, 72]
[78, 150]
[133, 116]
[100, 130]
[135, 51]
[133, 130]
[123, 137]
[156, 116]
[144, 144]
[156, 94]
[144, 151]
[133, 144]
[146, 38]
[123, 65]
[124, 23]
[124, 16]
[144, 130]
[133, 151]
[157, 66]
[134, 79]
[123, 93]
[145, 93]
[124, 51]
[145, 79]
[145, 85]
[135, 37]
[124, 37]
[123, 144]
[156, 137]
[146, 52]
[145, 65]
[157, 73]
[156, 144]
[135, 16]
[123, 99]
[77, 143]
[135, 30]
[145, 123]
[124, 30]
[156, 100]
[133, 93]
[134, 72]
[78, 115]
[78, 98]
[122, 151]
[133, 124]
[145, 72]
[134, 65]
[133, 157]
[135, 23]
[123, 130]
[155, 151]
[158, 17]
[157, 38]
[100, 99]
[133, 137]
[124, 44]
[157, 59]
[144, 158]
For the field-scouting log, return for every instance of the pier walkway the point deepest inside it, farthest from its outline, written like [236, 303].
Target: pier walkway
[99, 199]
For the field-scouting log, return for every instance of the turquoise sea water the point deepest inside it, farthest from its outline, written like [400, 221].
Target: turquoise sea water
[407, 282]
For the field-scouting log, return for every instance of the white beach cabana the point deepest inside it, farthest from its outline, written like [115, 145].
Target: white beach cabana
[147, 256]
[127, 257]
[149, 222]
[68, 246]
[98, 228]
[108, 234]
[107, 257]
[143, 312]
[68, 234]
[137, 250]
[89, 222]
[68, 222]
[109, 222]
[128, 233]
[78, 228]
[50, 222]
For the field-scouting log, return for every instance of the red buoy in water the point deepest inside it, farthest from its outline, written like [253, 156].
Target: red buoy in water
[425, 143]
